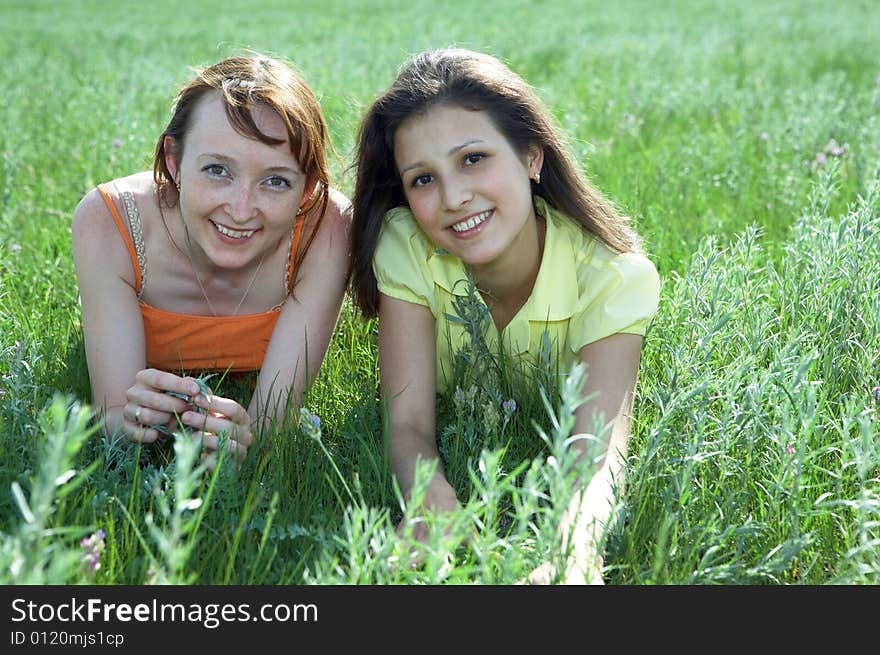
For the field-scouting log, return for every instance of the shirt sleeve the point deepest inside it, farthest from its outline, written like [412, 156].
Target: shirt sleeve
[622, 295]
[400, 261]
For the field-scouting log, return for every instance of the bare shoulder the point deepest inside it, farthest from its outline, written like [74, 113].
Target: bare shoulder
[92, 219]
[97, 244]
[92, 212]
[340, 203]
[335, 226]
[339, 209]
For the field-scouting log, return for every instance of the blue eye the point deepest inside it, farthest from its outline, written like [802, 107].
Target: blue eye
[421, 180]
[215, 169]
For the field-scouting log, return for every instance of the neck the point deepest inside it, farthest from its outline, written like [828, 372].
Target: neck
[508, 281]
[211, 276]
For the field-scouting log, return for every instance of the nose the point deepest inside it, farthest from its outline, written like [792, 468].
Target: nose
[455, 192]
[241, 206]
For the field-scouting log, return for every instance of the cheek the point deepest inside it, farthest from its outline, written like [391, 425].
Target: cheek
[422, 207]
[199, 197]
[280, 210]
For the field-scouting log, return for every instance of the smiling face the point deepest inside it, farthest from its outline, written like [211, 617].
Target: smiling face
[239, 196]
[467, 187]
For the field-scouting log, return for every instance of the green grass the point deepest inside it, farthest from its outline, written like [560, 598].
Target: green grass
[755, 456]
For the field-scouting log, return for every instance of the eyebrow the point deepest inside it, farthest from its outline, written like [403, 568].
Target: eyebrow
[270, 169]
[449, 153]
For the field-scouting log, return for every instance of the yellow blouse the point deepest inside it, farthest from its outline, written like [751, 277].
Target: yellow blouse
[584, 290]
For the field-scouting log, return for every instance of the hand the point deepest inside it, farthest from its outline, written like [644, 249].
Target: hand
[583, 566]
[150, 409]
[440, 501]
[219, 415]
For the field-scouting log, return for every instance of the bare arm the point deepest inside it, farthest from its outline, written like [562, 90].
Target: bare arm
[113, 329]
[407, 366]
[612, 369]
[308, 318]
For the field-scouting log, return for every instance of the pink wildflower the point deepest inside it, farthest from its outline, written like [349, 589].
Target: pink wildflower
[835, 150]
[92, 547]
[15, 247]
[789, 449]
[821, 159]
[117, 143]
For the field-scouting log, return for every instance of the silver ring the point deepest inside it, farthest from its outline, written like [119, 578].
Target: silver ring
[137, 414]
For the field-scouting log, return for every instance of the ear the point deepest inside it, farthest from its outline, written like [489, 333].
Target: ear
[534, 159]
[172, 156]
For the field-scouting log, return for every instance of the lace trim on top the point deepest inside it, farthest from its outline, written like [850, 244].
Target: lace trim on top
[137, 235]
[287, 268]
[277, 308]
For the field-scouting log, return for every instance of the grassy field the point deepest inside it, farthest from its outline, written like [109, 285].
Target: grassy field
[742, 137]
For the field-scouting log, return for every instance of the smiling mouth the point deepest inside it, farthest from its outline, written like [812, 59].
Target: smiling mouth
[472, 222]
[232, 234]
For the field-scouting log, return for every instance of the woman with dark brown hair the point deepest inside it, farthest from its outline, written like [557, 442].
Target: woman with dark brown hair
[461, 173]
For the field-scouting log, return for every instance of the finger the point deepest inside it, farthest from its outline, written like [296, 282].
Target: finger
[415, 533]
[165, 381]
[218, 425]
[543, 575]
[209, 460]
[156, 400]
[226, 406]
[139, 433]
[146, 416]
[211, 444]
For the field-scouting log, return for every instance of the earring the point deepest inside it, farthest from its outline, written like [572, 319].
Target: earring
[177, 184]
[537, 177]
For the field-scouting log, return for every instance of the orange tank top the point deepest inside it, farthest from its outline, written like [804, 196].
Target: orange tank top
[189, 342]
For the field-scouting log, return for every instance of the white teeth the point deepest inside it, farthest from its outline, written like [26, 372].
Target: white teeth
[472, 222]
[235, 234]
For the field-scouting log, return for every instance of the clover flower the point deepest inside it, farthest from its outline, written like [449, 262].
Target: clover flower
[509, 406]
[92, 547]
[876, 394]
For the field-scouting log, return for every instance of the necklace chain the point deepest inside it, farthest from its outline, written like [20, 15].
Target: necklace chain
[202, 287]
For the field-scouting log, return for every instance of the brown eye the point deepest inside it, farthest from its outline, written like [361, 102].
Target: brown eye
[215, 169]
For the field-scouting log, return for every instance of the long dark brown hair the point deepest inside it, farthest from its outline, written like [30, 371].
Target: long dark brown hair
[477, 82]
[246, 82]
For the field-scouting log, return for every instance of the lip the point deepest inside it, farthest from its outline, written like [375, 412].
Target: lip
[464, 234]
[235, 241]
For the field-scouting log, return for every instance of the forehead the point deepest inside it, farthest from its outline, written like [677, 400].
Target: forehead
[441, 128]
[210, 119]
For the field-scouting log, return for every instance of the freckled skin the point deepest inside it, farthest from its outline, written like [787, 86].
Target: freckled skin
[237, 182]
